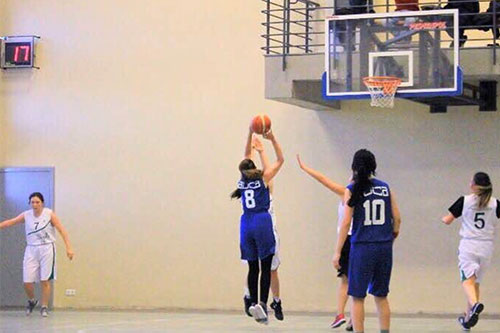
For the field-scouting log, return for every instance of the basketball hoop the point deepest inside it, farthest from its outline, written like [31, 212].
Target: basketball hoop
[382, 90]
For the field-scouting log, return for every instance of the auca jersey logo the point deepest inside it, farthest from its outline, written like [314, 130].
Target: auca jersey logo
[249, 186]
[381, 191]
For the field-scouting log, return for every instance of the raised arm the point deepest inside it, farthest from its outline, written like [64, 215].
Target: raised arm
[259, 147]
[248, 146]
[328, 183]
[344, 229]
[64, 234]
[273, 169]
[9, 223]
[396, 215]
[264, 160]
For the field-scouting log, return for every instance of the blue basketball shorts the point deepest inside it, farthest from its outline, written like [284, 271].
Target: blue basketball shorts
[256, 236]
[370, 266]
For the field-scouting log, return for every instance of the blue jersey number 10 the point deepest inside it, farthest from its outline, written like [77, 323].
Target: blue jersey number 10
[371, 210]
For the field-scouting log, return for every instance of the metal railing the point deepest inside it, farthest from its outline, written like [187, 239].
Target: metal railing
[288, 26]
[296, 27]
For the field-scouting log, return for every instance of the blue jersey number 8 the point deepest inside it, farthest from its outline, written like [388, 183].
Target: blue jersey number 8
[249, 199]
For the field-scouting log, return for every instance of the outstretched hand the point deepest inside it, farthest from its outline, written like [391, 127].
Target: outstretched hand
[268, 135]
[257, 145]
[302, 166]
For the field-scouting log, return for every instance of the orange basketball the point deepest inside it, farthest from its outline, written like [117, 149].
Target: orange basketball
[261, 124]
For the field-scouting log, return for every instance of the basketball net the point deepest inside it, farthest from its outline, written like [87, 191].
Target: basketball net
[382, 90]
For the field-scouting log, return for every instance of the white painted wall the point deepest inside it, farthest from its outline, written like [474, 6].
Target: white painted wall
[143, 107]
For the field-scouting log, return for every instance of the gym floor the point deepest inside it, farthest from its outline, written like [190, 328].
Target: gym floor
[119, 321]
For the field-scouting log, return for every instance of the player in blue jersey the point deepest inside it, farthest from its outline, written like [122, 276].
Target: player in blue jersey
[257, 241]
[375, 224]
[275, 282]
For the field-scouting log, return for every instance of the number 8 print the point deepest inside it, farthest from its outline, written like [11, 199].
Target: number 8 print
[249, 199]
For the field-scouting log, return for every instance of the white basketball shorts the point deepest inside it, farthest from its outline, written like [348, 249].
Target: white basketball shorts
[474, 258]
[39, 263]
[276, 258]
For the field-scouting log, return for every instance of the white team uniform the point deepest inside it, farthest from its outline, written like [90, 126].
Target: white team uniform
[276, 258]
[341, 211]
[478, 232]
[39, 262]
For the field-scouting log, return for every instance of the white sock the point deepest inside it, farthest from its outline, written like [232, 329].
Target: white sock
[247, 292]
[276, 299]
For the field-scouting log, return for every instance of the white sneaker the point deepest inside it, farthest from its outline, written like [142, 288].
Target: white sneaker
[259, 313]
[44, 311]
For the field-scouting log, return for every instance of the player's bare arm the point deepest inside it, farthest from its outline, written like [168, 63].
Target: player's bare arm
[9, 223]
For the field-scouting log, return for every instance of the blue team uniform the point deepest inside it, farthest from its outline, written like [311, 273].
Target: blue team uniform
[256, 226]
[370, 260]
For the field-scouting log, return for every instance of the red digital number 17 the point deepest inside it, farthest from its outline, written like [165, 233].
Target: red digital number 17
[18, 50]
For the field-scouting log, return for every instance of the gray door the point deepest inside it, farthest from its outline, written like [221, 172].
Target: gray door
[16, 184]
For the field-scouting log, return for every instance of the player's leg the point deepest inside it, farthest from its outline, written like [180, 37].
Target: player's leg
[379, 286]
[266, 245]
[469, 287]
[46, 289]
[29, 288]
[275, 289]
[253, 280]
[265, 278]
[47, 274]
[31, 274]
[474, 307]
[358, 314]
[342, 296]
[247, 300]
[266, 248]
[477, 307]
[384, 313]
[259, 311]
[361, 269]
[275, 284]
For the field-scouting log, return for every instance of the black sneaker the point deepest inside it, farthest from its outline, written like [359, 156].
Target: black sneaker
[278, 311]
[31, 305]
[349, 327]
[248, 303]
[463, 324]
[474, 314]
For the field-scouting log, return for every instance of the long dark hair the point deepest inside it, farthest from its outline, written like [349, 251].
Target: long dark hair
[249, 172]
[483, 183]
[363, 167]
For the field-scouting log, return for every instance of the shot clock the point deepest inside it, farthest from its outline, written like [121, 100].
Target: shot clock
[17, 52]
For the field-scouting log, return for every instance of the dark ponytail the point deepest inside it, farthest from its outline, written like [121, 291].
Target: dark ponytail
[485, 189]
[363, 167]
[249, 172]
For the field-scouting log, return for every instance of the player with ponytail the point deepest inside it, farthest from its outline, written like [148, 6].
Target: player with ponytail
[257, 240]
[480, 213]
[375, 217]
